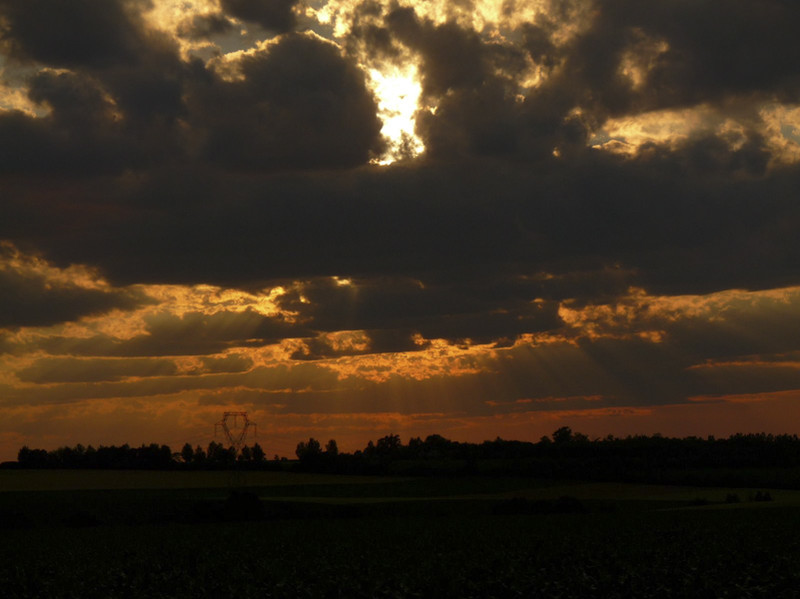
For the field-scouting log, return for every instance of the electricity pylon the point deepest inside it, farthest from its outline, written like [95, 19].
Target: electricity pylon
[236, 436]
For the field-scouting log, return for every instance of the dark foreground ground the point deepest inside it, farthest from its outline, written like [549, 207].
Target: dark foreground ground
[283, 535]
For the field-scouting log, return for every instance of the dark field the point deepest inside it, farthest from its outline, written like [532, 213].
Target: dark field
[156, 534]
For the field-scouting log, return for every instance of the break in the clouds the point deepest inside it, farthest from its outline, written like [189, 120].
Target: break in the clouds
[355, 217]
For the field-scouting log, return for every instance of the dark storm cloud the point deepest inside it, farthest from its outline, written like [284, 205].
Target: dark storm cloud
[191, 334]
[393, 340]
[453, 58]
[32, 298]
[319, 348]
[130, 101]
[731, 55]
[204, 26]
[196, 333]
[454, 312]
[760, 327]
[740, 331]
[70, 370]
[98, 370]
[672, 234]
[627, 372]
[273, 15]
[296, 378]
[81, 136]
[115, 108]
[716, 48]
[695, 358]
[232, 363]
[109, 49]
[193, 188]
[713, 52]
[375, 341]
[475, 85]
[476, 110]
[742, 379]
[300, 105]
[559, 376]
[78, 33]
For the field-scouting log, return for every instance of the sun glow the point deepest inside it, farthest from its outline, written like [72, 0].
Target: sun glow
[398, 91]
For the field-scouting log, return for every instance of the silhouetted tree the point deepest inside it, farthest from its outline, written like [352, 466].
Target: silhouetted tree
[414, 447]
[388, 445]
[436, 446]
[187, 453]
[32, 458]
[369, 450]
[219, 455]
[309, 453]
[90, 457]
[562, 435]
[153, 456]
[258, 454]
[331, 448]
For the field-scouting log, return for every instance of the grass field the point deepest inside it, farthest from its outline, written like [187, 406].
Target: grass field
[66, 480]
[155, 534]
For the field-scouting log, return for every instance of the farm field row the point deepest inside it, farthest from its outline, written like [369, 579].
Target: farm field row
[68, 480]
[322, 487]
[685, 553]
[131, 534]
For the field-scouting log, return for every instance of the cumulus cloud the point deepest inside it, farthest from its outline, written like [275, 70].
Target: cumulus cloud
[123, 98]
[299, 104]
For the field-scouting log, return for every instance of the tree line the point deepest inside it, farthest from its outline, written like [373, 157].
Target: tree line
[564, 454]
[145, 457]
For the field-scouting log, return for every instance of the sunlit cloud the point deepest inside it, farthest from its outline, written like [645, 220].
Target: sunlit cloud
[779, 123]
[782, 127]
[481, 15]
[663, 126]
[31, 265]
[639, 59]
[169, 16]
[642, 315]
[16, 98]
[439, 358]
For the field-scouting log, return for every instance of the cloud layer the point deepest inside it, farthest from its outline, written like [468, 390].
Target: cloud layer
[194, 208]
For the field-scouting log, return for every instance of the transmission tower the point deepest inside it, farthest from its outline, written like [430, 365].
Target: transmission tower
[235, 434]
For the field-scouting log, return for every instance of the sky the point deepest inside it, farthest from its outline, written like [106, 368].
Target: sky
[353, 218]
